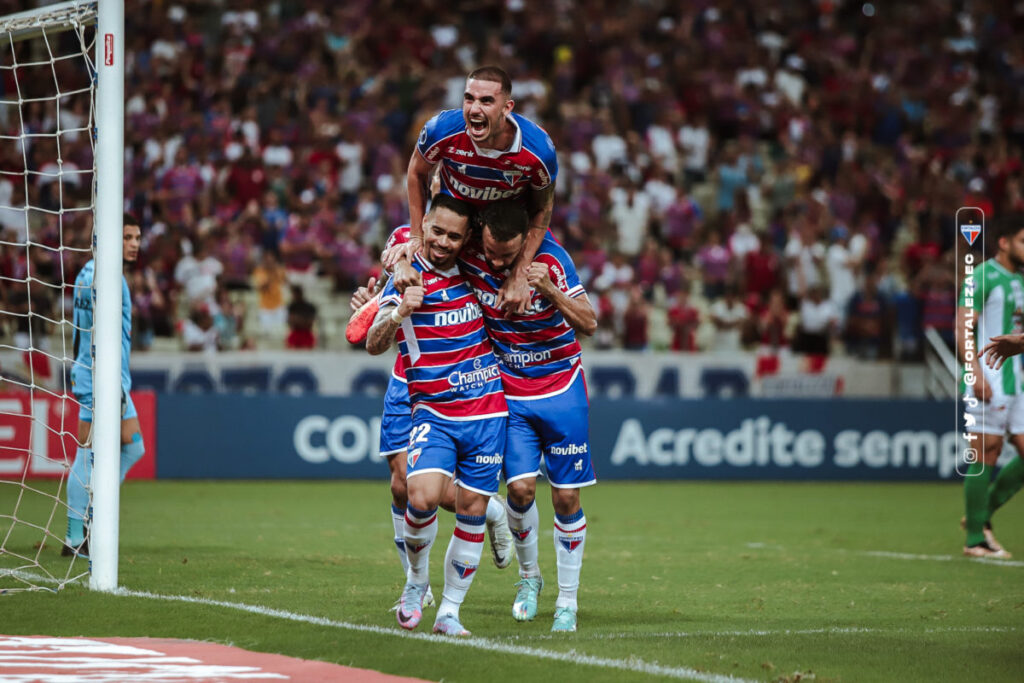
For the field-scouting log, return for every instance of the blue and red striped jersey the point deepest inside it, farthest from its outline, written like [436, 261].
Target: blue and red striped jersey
[449, 363]
[484, 175]
[538, 353]
[399, 235]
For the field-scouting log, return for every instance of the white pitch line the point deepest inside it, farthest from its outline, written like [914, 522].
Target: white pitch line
[490, 645]
[849, 630]
[905, 556]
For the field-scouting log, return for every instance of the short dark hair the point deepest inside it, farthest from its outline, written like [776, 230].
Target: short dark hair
[495, 74]
[506, 219]
[446, 201]
[129, 219]
[1009, 224]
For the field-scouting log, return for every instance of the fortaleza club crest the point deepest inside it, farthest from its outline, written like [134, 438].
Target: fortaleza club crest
[464, 569]
[970, 231]
[413, 457]
[570, 544]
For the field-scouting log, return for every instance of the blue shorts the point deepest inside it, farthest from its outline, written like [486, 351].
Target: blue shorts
[396, 421]
[469, 451]
[85, 411]
[557, 428]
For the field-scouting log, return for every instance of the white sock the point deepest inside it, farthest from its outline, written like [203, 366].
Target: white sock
[524, 524]
[419, 533]
[494, 510]
[398, 520]
[570, 536]
[461, 562]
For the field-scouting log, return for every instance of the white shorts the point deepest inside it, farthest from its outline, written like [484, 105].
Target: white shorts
[1001, 415]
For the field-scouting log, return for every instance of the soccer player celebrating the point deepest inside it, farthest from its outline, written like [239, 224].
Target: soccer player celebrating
[459, 412]
[488, 153]
[995, 307]
[396, 423]
[539, 358]
[132, 447]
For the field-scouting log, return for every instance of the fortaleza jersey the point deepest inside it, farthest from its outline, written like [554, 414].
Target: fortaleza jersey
[997, 295]
[84, 299]
[538, 353]
[449, 364]
[399, 235]
[485, 175]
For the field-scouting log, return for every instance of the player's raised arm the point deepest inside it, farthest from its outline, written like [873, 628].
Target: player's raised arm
[389, 319]
[418, 186]
[577, 310]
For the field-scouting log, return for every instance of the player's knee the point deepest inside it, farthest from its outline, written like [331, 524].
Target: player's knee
[522, 491]
[399, 490]
[565, 501]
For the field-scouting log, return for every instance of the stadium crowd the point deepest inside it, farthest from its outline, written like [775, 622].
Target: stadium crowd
[784, 175]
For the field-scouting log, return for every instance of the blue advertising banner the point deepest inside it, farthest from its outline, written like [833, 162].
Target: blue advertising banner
[241, 437]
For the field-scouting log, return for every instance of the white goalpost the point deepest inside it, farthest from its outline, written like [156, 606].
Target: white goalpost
[61, 202]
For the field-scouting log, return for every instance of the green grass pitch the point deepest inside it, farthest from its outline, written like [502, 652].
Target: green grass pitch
[748, 580]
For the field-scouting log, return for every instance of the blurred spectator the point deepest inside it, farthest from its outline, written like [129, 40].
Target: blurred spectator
[818, 323]
[729, 316]
[684, 320]
[198, 333]
[631, 216]
[715, 264]
[804, 258]
[773, 323]
[301, 320]
[635, 321]
[868, 330]
[839, 264]
[269, 279]
[198, 272]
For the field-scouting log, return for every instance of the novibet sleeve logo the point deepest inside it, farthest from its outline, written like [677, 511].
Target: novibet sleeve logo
[970, 231]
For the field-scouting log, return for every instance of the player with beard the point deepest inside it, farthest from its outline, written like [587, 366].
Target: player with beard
[540, 361]
[459, 412]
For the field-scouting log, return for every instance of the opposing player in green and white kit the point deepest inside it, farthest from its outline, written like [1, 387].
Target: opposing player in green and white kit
[993, 300]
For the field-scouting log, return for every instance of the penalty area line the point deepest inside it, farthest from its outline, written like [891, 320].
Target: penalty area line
[633, 664]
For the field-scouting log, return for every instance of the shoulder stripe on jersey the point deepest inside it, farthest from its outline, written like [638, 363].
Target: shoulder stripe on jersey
[423, 156]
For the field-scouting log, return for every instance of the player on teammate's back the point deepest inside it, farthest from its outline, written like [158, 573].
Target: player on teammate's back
[132, 448]
[458, 411]
[997, 308]
[488, 153]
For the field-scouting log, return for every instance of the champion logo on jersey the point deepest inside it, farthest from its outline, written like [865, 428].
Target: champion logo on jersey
[970, 231]
[464, 570]
[569, 544]
[521, 534]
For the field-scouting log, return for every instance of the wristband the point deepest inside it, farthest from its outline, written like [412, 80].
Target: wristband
[396, 316]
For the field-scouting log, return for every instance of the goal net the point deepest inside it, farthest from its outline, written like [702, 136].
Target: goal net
[48, 185]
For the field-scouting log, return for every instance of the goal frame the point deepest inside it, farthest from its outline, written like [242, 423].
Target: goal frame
[108, 239]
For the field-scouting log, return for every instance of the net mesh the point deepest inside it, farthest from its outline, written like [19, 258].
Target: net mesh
[47, 200]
